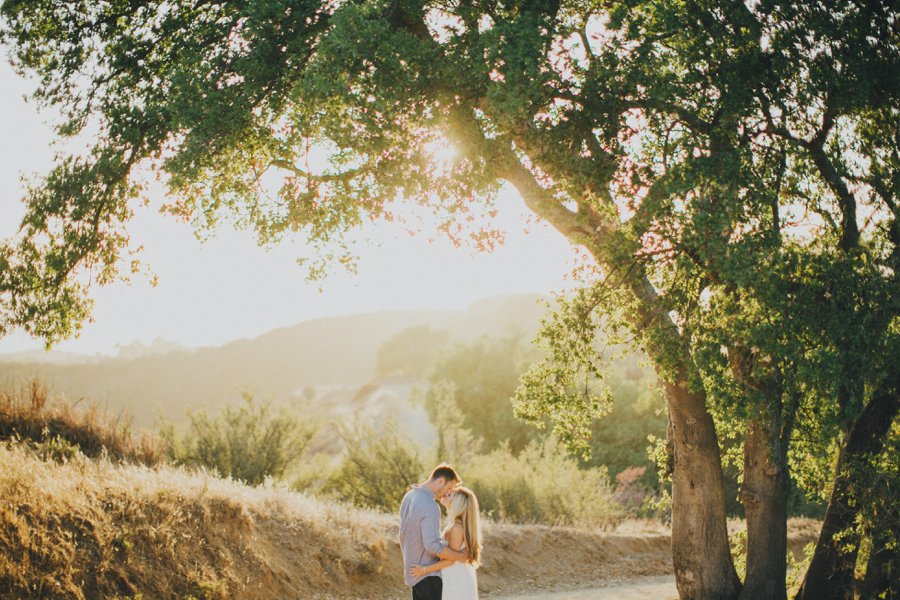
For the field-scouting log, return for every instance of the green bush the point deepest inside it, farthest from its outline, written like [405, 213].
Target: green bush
[248, 442]
[377, 469]
[542, 484]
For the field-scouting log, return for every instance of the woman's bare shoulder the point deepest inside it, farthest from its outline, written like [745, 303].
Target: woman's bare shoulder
[455, 534]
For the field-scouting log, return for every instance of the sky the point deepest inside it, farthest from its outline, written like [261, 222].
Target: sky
[227, 288]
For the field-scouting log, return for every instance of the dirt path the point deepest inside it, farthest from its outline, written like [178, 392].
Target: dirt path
[657, 588]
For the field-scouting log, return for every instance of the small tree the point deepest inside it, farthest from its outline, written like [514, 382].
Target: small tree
[476, 382]
[377, 470]
[410, 352]
[248, 442]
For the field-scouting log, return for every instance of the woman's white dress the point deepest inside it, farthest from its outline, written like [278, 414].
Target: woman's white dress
[460, 581]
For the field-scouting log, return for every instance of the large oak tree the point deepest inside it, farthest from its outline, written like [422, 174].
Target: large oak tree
[731, 168]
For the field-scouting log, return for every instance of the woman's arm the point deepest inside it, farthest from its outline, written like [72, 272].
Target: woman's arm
[454, 542]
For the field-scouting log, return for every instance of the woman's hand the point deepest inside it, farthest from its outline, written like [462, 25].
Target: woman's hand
[418, 571]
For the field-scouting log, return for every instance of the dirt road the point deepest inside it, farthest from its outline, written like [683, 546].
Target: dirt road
[657, 588]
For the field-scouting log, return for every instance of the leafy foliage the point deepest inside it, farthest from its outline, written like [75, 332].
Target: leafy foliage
[731, 168]
[248, 442]
[377, 469]
[470, 401]
[620, 439]
[477, 381]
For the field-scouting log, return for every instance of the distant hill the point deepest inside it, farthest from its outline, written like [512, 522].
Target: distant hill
[139, 350]
[53, 358]
[288, 362]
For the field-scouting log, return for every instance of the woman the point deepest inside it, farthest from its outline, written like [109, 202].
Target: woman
[463, 534]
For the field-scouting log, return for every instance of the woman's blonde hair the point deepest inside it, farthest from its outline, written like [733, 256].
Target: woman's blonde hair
[464, 510]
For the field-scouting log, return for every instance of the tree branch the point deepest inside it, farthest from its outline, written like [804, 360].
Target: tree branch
[589, 54]
[682, 114]
[327, 177]
[816, 149]
[846, 200]
[571, 224]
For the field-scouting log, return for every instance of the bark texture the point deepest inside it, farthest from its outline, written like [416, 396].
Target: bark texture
[764, 494]
[704, 569]
[830, 574]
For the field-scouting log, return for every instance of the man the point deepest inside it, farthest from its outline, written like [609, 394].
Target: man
[420, 536]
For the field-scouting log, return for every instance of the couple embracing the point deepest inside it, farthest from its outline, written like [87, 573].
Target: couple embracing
[436, 566]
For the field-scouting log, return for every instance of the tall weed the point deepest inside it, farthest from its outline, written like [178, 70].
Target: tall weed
[57, 428]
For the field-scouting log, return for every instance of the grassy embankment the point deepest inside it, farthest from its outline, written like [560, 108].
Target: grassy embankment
[120, 523]
[95, 529]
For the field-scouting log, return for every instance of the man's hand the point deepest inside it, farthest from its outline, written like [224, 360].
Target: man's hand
[417, 571]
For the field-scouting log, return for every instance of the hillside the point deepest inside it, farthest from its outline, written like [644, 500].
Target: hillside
[278, 365]
[91, 529]
[92, 511]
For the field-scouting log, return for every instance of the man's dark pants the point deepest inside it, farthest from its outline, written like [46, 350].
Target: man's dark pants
[429, 588]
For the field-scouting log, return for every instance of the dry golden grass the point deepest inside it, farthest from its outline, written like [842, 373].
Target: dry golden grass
[29, 415]
[125, 525]
[92, 511]
[96, 529]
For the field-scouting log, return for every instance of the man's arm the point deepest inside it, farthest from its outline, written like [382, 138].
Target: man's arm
[431, 537]
[420, 571]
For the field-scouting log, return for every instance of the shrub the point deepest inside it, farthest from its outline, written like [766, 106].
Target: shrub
[635, 495]
[542, 484]
[377, 469]
[248, 442]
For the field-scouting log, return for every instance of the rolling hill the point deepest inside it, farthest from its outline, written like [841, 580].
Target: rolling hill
[291, 362]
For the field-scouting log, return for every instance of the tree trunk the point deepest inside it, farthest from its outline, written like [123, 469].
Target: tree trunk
[830, 574]
[764, 493]
[881, 575]
[704, 569]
